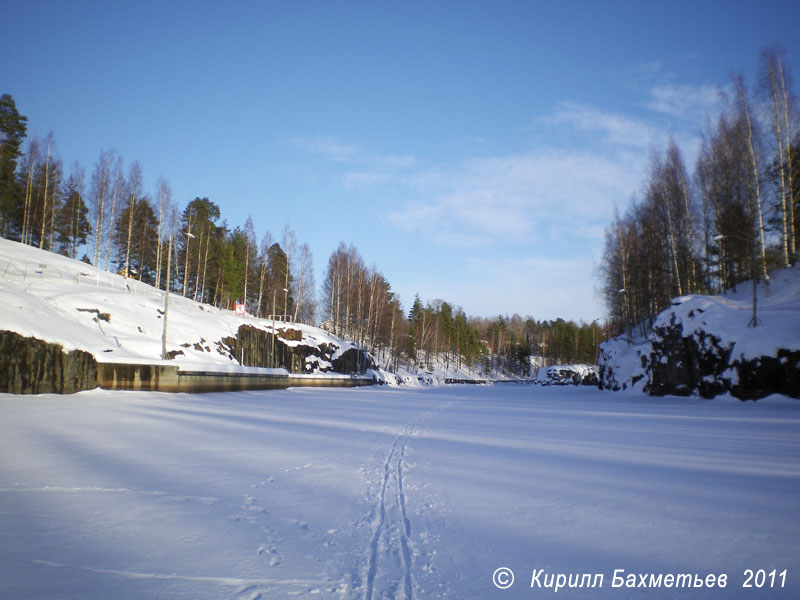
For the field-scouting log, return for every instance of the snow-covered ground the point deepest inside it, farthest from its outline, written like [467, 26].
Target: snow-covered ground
[392, 493]
[67, 302]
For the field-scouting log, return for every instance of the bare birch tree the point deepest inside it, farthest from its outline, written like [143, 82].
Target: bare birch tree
[752, 146]
[163, 201]
[29, 165]
[117, 187]
[49, 142]
[99, 193]
[775, 87]
[303, 284]
[289, 246]
[135, 192]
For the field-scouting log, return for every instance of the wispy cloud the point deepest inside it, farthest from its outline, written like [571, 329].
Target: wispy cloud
[368, 167]
[360, 179]
[328, 148]
[528, 197]
[616, 129]
[548, 194]
[685, 102]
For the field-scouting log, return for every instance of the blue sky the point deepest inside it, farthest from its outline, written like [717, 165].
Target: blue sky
[473, 151]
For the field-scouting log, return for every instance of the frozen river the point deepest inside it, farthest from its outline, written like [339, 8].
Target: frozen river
[384, 493]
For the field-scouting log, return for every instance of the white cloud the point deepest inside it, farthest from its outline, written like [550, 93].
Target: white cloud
[616, 129]
[328, 148]
[373, 168]
[519, 197]
[685, 102]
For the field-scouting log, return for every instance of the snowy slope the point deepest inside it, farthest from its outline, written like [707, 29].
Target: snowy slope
[725, 317]
[728, 315]
[67, 302]
[374, 493]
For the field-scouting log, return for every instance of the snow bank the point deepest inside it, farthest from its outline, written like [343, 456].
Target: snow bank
[705, 345]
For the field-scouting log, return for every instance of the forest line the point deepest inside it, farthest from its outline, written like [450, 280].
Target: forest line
[108, 219]
[734, 218]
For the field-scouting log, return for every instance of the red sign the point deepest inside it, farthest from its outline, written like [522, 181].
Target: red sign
[240, 309]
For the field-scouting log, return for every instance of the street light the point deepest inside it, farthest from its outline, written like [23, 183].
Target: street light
[603, 319]
[166, 300]
[754, 271]
[626, 319]
[189, 235]
[597, 344]
[166, 287]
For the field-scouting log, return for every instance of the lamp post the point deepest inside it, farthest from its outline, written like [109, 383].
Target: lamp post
[626, 320]
[166, 300]
[754, 272]
[597, 343]
[606, 328]
[189, 235]
[272, 352]
[166, 288]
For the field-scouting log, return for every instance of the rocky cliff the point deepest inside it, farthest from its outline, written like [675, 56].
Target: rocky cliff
[705, 346]
[288, 349]
[31, 366]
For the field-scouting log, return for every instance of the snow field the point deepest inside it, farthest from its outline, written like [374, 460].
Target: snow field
[375, 493]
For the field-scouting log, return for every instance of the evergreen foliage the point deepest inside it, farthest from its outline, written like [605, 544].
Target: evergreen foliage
[12, 132]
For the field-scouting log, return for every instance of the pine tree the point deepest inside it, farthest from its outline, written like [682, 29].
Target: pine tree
[12, 132]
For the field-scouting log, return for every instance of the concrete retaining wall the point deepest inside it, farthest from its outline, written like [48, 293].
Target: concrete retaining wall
[170, 378]
[32, 366]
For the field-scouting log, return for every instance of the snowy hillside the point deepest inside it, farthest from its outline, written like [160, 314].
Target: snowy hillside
[63, 301]
[705, 344]
[119, 320]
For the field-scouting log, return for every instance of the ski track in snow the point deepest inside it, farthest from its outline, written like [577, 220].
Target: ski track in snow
[392, 531]
[390, 555]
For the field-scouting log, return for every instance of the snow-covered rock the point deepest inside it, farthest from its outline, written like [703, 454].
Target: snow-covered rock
[567, 375]
[118, 320]
[704, 345]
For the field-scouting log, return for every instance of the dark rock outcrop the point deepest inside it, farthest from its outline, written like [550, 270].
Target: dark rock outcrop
[32, 366]
[678, 363]
[682, 365]
[768, 375]
[568, 375]
[254, 347]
